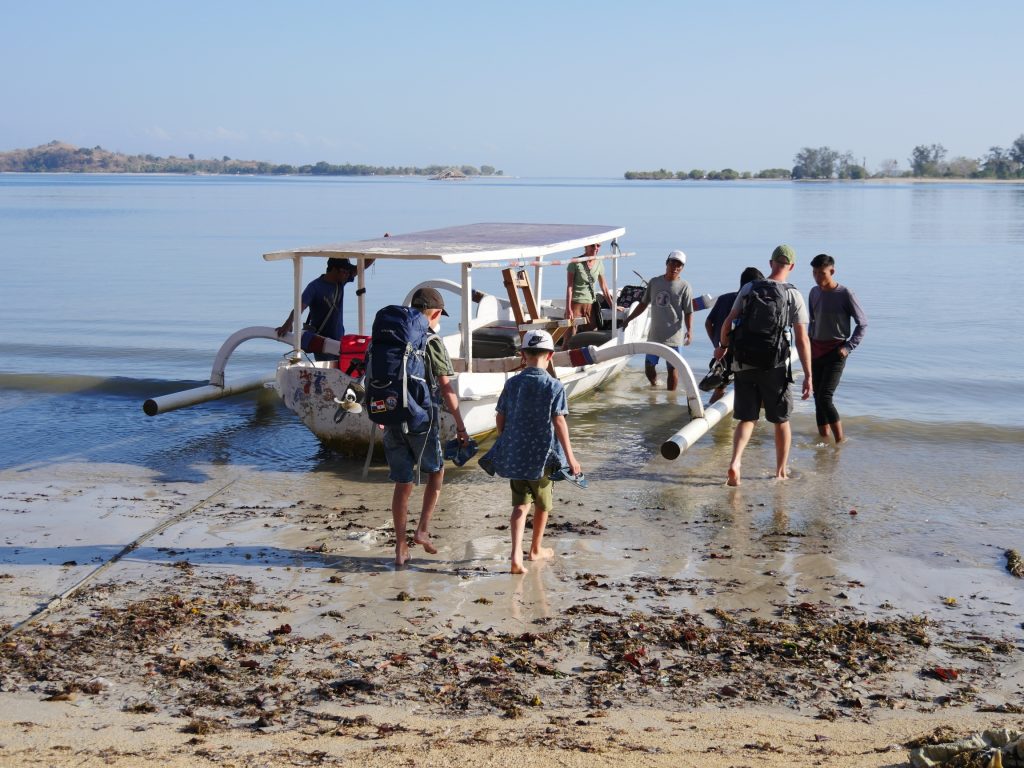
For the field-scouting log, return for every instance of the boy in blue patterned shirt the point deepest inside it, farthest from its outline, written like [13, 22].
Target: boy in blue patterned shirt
[533, 441]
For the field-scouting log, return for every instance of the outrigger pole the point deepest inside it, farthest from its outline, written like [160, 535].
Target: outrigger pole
[218, 387]
[701, 423]
[697, 427]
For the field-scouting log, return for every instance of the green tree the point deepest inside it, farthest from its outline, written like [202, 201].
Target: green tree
[696, 174]
[1017, 154]
[811, 163]
[997, 163]
[927, 160]
[773, 173]
[962, 167]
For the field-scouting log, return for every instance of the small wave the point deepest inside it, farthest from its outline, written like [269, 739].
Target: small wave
[931, 431]
[94, 386]
[115, 386]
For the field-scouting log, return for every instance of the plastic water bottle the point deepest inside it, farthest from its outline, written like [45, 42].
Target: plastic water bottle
[704, 301]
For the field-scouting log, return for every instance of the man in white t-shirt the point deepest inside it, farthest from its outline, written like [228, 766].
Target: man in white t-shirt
[671, 301]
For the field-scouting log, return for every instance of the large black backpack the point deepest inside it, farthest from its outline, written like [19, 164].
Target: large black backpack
[760, 338]
[397, 383]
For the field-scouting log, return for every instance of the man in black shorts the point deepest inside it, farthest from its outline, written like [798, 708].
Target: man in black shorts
[761, 386]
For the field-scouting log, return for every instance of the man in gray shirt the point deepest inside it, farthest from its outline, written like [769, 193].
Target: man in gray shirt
[671, 301]
[760, 387]
[832, 307]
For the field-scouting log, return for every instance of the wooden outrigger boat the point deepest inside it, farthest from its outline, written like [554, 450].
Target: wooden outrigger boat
[483, 350]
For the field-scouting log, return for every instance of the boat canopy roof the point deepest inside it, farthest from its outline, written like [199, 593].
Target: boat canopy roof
[466, 244]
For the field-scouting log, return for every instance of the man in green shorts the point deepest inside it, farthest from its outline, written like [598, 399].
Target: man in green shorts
[533, 441]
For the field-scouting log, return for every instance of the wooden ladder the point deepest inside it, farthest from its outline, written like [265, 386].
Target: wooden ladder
[516, 280]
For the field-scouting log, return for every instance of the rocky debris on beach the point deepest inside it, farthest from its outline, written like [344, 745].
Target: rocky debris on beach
[1014, 563]
[214, 650]
[993, 748]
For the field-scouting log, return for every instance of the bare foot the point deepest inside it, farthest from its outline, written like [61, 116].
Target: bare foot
[716, 396]
[541, 554]
[782, 474]
[517, 568]
[423, 539]
[401, 555]
[734, 477]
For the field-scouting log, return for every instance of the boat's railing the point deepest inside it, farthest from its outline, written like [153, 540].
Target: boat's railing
[453, 287]
[522, 264]
[234, 340]
[489, 308]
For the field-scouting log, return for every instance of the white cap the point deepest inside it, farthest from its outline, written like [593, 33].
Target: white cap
[677, 256]
[540, 340]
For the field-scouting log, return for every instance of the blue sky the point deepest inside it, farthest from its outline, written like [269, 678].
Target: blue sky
[533, 88]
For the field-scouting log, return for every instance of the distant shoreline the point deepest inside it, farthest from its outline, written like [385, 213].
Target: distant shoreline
[60, 157]
[886, 180]
[880, 180]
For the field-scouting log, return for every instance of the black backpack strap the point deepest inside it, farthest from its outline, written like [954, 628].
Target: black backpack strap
[333, 304]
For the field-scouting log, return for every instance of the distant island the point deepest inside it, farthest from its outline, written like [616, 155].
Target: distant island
[927, 161]
[60, 157]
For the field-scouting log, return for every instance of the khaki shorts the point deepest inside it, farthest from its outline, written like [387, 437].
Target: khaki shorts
[536, 491]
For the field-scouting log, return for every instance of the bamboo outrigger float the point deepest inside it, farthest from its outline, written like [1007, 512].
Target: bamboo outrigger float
[483, 351]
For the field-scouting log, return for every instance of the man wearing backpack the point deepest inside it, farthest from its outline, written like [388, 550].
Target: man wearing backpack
[411, 440]
[764, 311]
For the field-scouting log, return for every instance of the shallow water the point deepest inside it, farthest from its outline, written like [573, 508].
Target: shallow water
[116, 289]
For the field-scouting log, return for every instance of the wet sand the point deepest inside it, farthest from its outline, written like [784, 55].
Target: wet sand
[260, 619]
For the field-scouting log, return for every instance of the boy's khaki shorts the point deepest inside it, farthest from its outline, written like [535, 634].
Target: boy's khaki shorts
[536, 491]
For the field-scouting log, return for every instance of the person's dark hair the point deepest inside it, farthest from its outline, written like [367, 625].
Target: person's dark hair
[822, 260]
[749, 275]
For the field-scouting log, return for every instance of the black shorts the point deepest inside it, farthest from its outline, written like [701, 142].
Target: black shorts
[769, 389]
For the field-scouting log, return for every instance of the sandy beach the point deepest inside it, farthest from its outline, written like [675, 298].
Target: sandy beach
[259, 620]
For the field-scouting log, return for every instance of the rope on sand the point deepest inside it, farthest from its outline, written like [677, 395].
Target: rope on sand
[59, 600]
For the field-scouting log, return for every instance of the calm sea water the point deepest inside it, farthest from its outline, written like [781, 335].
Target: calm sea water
[116, 288]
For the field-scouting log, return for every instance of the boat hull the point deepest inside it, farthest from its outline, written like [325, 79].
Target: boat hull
[310, 391]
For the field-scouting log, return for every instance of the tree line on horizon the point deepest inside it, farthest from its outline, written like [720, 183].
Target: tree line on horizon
[61, 157]
[925, 161]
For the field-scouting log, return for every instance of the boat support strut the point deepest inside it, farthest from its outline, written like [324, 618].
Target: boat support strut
[218, 387]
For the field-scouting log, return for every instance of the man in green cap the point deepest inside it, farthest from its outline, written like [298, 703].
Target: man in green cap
[764, 310]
